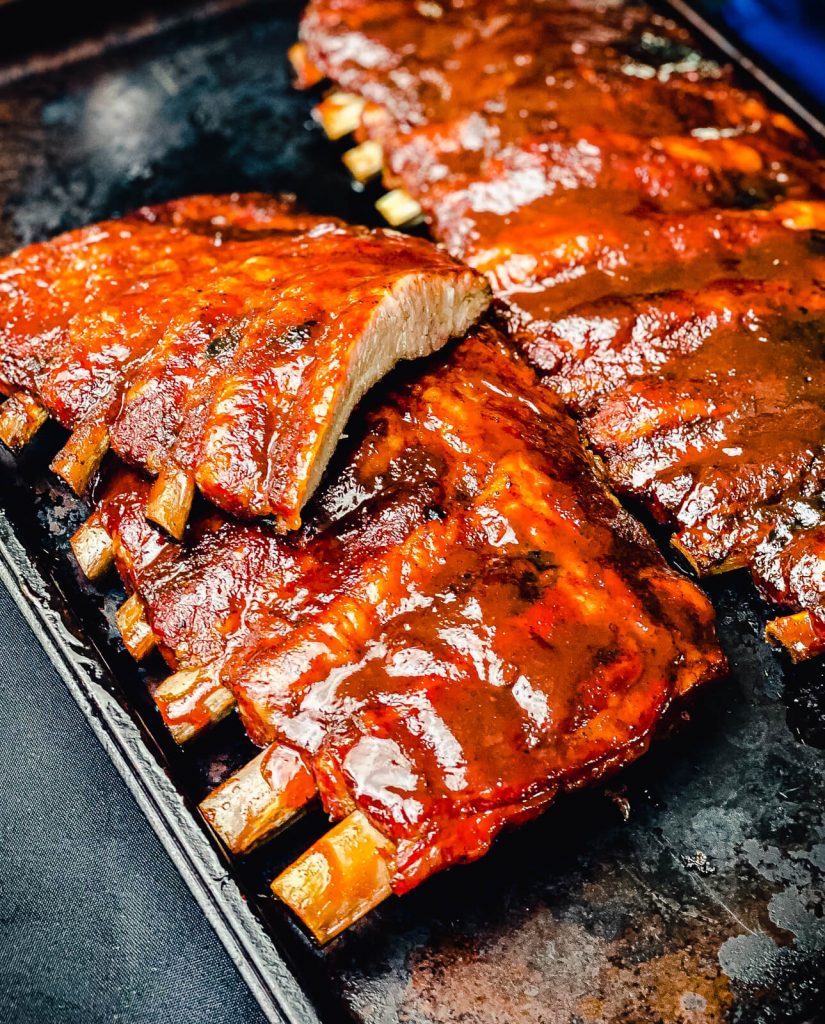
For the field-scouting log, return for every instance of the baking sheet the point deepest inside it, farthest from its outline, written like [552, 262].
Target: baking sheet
[705, 905]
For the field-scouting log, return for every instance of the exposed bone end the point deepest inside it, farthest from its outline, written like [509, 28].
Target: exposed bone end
[307, 74]
[170, 500]
[341, 877]
[398, 207]
[192, 700]
[801, 215]
[80, 458]
[340, 113]
[93, 549]
[797, 634]
[138, 638]
[21, 416]
[705, 567]
[364, 161]
[259, 800]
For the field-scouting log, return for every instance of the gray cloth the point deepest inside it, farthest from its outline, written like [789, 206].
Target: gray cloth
[96, 923]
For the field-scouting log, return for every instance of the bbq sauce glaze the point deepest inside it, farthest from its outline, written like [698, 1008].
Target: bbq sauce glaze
[466, 623]
[211, 336]
[654, 231]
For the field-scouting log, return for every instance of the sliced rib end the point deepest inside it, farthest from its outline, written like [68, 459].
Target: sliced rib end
[418, 316]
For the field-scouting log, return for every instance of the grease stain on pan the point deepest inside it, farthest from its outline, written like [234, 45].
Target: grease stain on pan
[797, 910]
[564, 973]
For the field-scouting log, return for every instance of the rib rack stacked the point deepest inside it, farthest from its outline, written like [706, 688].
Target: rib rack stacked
[654, 232]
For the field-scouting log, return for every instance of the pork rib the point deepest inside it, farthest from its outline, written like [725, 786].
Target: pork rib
[448, 88]
[466, 623]
[221, 342]
[654, 231]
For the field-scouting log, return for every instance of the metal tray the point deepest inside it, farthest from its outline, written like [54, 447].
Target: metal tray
[690, 890]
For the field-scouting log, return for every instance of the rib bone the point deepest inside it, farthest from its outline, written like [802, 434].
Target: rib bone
[80, 458]
[340, 114]
[170, 500]
[364, 161]
[341, 877]
[398, 207]
[259, 800]
[192, 700]
[136, 632]
[93, 548]
[21, 416]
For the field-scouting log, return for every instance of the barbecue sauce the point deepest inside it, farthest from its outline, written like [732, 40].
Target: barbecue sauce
[466, 623]
[653, 229]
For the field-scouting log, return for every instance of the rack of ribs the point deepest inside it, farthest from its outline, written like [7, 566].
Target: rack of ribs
[653, 232]
[218, 343]
[465, 625]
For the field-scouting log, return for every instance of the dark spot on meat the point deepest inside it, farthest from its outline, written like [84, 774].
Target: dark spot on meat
[542, 560]
[223, 345]
[529, 586]
[296, 337]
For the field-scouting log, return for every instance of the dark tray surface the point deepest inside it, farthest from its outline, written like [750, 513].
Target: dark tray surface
[705, 906]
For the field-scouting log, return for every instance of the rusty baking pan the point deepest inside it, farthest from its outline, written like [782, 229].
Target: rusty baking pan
[688, 890]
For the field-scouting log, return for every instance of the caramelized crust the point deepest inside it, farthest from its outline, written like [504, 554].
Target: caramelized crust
[80, 308]
[603, 176]
[222, 340]
[465, 624]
